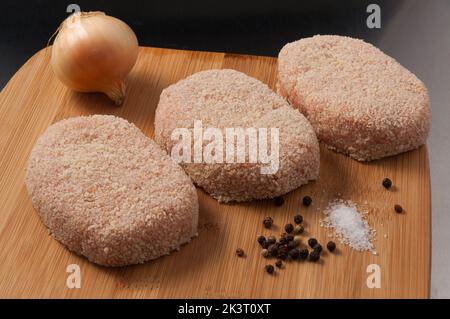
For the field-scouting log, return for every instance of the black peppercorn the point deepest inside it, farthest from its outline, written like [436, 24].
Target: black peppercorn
[307, 200]
[279, 263]
[283, 248]
[292, 245]
[398, 209]
[314, 256]
[273, 250]
[271, 240]
[312, 242]
[303, 254]
[278, 201]
[299, 229]
[240, 252]
[265, 253]
[268, 222]
[387, 183]
[283, 240]
[331, 246]
[265, 244]
[288, 228]
[289, 237]
[298, 219]
[282, 255]
[269, 269]
[294, 253]
[318, 248]
[261, 239]
[282, 252]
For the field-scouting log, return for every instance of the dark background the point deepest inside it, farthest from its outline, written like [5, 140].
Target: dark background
[415, 32]
[259, 27]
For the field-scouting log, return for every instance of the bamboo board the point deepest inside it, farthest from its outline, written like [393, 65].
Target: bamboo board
[34, 265]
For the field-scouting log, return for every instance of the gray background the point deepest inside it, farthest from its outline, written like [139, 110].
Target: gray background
[424, 48]
[416, 33]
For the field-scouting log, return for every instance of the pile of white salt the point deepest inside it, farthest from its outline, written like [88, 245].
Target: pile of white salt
[350, 226]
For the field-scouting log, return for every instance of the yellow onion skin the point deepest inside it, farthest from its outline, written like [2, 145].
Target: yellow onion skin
[94, 52]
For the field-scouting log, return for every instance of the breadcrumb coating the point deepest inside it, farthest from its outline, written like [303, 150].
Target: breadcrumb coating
[360, 101]
[229, 99]
[109, 193]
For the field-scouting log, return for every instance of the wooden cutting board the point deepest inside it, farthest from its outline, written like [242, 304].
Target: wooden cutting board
[34, 265]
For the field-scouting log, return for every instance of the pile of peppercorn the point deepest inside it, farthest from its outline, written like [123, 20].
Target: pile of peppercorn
[287, 246]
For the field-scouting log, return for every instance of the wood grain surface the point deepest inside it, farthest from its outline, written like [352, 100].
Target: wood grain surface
[34, 265]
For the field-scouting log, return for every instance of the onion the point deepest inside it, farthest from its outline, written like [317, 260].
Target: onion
[94, 52]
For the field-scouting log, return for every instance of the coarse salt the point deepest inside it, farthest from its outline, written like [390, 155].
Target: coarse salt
[350, 226]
